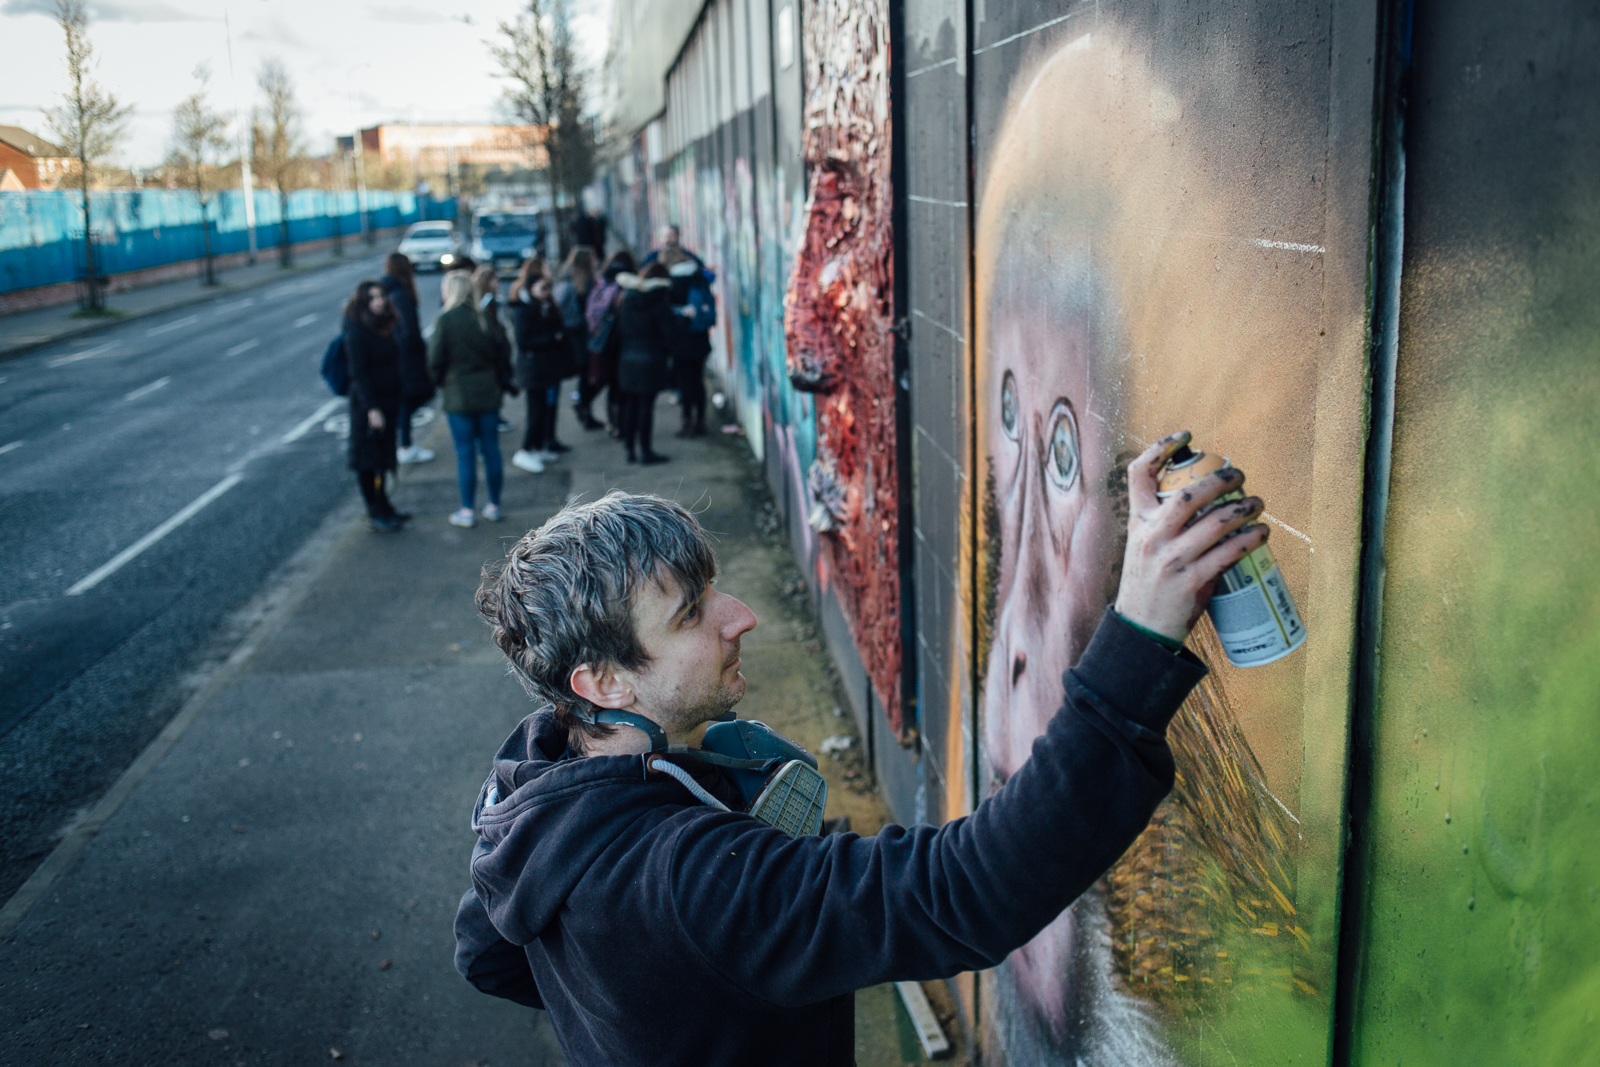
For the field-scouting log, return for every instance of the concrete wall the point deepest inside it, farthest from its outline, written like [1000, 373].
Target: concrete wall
[1352, 247]
[1476, 915]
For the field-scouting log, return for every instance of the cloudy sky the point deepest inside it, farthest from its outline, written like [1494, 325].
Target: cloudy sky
[353, 63]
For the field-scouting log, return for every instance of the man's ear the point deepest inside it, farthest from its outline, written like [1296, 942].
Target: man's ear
[604, 688]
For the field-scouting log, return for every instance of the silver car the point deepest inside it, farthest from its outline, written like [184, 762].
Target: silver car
[431, 245]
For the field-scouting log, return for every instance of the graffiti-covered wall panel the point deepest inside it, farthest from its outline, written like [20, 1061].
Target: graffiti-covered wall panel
[1479, 939]
[937, 251]
[838, 314]
[1153, 225]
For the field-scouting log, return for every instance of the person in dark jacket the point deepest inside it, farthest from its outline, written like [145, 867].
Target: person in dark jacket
[416, 388]
[372, 360]
[648, 327]
[571, 291]
[469, 360]
[605, 299]
[691, 294]
[543, 359]
[659, 929]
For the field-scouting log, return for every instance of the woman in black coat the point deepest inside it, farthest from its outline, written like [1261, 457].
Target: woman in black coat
[416, 388]
[372, 358]
[649, 328]
[543, 360]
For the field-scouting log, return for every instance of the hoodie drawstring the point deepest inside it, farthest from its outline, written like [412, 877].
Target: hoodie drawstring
[689, 783]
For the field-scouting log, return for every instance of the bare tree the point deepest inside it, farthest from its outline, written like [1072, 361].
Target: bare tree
[279, 155]
[199, 136]
[546, 91]
[89, 124]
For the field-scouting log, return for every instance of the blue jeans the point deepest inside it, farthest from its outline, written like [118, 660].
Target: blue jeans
[478, 431]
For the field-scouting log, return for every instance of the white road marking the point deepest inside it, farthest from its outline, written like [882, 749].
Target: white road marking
[146, 390]
[87, 353]
[121, 559]
[311, 421]
[306, 320]
[235, 305]
[245, 347]
[7, 448]
[169, 327]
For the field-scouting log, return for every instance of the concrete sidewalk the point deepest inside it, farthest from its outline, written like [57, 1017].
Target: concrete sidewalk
[279, 885]
[27, 330]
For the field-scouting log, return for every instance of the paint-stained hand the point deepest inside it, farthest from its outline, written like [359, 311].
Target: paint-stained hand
[1173, 560]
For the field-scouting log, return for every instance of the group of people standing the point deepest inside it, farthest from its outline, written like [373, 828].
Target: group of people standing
[624, 329]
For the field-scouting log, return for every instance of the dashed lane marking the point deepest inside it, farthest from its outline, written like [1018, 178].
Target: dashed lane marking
[245, 347]
[87, 353]
[306, 320]
[311, 420]
[156, 331]
[7, 448]
[146, 390]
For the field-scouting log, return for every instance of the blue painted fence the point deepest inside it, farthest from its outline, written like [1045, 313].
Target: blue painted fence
[41, 233]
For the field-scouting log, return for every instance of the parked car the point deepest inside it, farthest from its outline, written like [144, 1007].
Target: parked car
[506, 238]
[431, 245]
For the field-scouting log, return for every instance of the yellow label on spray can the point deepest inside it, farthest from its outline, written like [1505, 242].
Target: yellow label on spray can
[1254, 615]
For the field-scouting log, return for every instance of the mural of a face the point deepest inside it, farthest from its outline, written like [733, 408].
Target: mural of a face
[1089, 346]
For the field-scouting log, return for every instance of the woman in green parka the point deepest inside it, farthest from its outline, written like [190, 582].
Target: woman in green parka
[469, 359]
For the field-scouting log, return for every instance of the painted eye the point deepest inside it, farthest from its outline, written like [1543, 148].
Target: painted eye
[1008, 406]
[1061, 455]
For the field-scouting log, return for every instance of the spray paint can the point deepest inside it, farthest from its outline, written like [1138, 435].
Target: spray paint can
[1254, 615]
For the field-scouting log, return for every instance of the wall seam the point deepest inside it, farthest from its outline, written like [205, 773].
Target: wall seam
[1384, 283]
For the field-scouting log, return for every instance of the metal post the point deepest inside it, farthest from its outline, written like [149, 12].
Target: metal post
[246, 150]
[361, 189]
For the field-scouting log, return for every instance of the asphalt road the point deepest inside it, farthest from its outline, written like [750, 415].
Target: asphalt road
[151, 477]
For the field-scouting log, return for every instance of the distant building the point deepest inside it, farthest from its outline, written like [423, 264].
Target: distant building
[28, 161]
[437, 148]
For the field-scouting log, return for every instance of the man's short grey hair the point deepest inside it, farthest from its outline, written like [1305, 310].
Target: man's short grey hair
[564, 594]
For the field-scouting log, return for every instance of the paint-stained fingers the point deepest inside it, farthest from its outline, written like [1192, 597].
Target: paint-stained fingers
[1213, 526]
[1230, 550]
[1145, 470]
[1179, 510]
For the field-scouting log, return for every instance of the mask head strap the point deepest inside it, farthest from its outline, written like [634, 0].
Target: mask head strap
[607, 717]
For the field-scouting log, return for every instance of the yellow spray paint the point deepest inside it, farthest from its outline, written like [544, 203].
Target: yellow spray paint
[1255, 617]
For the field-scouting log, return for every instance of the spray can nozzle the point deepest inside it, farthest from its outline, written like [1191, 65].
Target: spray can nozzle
[1182, 456]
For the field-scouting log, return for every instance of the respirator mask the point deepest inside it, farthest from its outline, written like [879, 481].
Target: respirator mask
[777, 780]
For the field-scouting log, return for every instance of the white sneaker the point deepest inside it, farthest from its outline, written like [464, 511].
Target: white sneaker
[491, 513]
[546, 456]
[414, 454]
[528, 461]
[463, 517]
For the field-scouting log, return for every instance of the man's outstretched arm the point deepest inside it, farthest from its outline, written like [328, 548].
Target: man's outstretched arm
[798, 921]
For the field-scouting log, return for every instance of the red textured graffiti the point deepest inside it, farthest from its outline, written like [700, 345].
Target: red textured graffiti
[838, 317]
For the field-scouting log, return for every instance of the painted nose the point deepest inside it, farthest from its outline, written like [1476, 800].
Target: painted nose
[1030, 558]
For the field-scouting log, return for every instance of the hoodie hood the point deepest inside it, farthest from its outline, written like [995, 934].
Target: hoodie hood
[543, 818]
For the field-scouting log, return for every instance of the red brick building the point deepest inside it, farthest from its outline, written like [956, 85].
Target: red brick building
[28, 161]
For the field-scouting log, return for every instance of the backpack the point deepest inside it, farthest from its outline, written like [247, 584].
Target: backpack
[335, 371]
[705, 308]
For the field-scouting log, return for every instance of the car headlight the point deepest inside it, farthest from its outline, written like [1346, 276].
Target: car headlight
[527, 253]
[446, 259]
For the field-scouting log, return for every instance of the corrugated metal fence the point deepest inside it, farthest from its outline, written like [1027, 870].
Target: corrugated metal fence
[41, 233]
